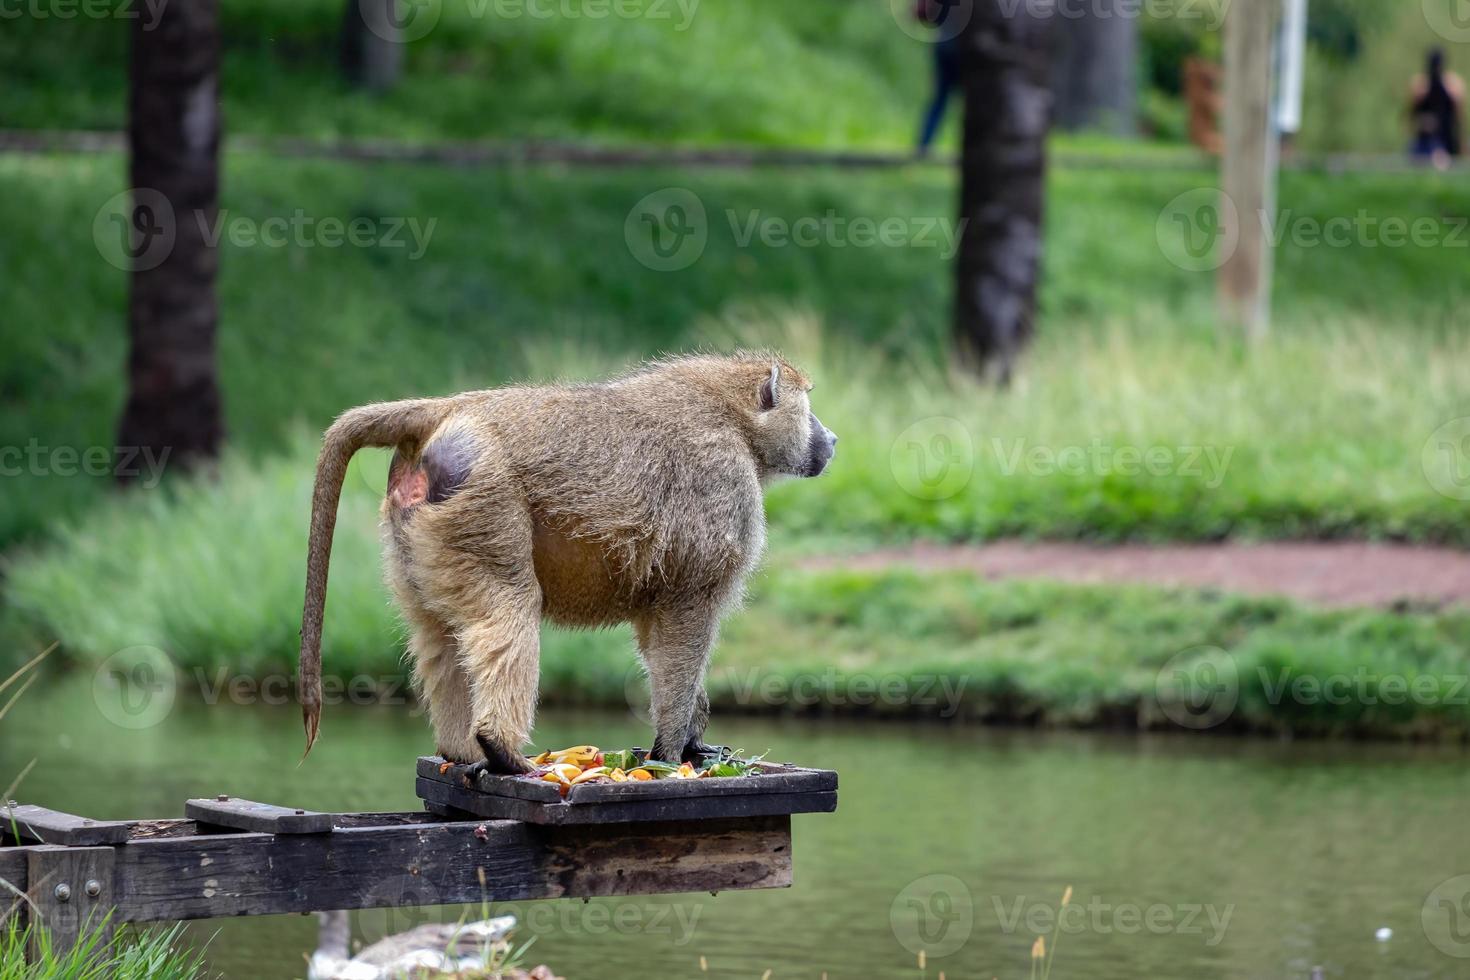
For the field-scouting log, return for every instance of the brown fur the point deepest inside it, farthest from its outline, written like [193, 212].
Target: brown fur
[637, 500]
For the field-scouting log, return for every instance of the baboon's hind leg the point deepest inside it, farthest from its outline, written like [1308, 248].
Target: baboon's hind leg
[501, 654]
[444, 689]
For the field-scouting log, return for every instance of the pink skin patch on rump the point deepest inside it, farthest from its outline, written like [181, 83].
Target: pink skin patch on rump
[407, 487]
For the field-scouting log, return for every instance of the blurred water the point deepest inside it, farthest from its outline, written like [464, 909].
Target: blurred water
[1188, 857]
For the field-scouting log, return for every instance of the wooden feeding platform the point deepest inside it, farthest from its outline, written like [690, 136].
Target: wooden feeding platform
[502, 839]
[773, 790]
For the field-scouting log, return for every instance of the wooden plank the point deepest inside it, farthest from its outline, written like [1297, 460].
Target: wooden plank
[442, 862]
[71, 889]
[44, 826]
[259, 818]
[691, 808]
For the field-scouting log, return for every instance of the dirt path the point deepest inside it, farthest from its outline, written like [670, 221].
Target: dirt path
[1323, 574]
[572, 153]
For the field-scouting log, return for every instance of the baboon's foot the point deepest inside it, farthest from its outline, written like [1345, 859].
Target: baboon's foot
[500, 760]
[697, 751]
[458, 758]
[692, 750]
[666, 750]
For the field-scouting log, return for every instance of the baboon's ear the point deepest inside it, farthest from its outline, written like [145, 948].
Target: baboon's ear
[768, 389]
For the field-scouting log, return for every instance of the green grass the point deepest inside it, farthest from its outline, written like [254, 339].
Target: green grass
[823, 73]
[155, 955]
[527, 273]
[213, 579]
[752, 71]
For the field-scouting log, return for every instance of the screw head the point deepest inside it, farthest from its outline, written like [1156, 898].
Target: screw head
[93, 888]
[62, 892]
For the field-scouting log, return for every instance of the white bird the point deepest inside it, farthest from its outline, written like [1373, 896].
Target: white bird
[443, 947]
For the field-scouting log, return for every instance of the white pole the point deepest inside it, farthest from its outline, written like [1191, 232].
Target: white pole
[1293, 67]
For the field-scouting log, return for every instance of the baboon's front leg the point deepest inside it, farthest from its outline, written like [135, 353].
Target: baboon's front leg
[676, 649]
[502, 656]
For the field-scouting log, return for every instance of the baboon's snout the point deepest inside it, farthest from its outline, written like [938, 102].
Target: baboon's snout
[821, 446]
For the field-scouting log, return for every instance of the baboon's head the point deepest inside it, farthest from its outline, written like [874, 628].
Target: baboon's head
[789, 438]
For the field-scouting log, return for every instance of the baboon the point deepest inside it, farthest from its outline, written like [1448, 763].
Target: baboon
[636, 500]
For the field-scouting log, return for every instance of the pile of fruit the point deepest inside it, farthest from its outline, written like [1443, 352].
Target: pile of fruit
[589, 764]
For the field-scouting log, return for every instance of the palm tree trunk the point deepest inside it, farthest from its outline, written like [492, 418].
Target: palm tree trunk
[1006, 69]
[173, 392]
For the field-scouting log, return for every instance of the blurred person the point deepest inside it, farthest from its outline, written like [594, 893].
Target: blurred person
[1436, 107]
[943, 16]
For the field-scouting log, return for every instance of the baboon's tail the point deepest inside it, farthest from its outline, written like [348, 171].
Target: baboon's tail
[406, 423]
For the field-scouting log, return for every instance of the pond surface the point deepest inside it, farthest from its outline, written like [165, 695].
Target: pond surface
[1188, 857]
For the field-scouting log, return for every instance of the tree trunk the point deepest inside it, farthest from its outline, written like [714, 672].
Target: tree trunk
[173, 402]
[1005, 52]
[372, 49]
[1095, 66]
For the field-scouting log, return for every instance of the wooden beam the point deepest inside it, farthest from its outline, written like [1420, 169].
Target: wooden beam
[1248, 168]
[172, 870]
[441, 863]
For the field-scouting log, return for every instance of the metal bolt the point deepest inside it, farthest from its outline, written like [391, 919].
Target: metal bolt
[62, 892]
[222, 798]
[93, 888]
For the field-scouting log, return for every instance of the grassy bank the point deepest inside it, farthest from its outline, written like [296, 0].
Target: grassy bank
[823, 74]
[211, 575]
[527, 273]
[826, 73]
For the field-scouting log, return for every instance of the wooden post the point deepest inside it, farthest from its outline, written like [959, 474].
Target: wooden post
[1248, 170]
[72, 890]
